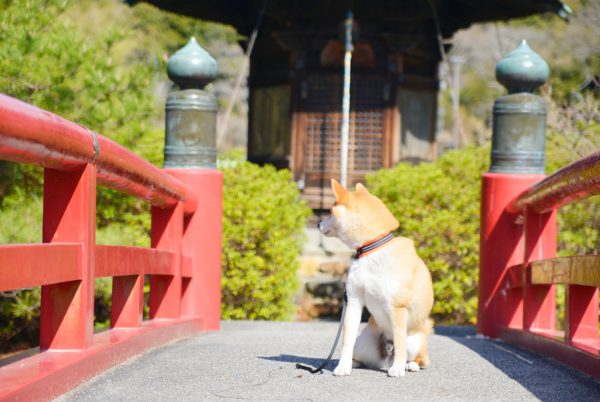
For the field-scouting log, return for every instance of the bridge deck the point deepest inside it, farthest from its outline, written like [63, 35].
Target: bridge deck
[255, 361]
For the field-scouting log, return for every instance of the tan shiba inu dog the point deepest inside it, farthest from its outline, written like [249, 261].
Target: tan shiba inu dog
[389, 279]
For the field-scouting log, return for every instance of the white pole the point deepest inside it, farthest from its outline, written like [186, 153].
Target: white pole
[346, 101]
[456, 61]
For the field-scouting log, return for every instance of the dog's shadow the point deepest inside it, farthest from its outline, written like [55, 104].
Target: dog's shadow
[307, 361]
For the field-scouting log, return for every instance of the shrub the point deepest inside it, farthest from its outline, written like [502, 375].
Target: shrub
[263, 217]
[437, 205]
[19, 319]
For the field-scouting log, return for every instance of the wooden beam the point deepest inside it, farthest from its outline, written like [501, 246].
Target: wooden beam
[576, 270]
[30, 265]
[124, 261]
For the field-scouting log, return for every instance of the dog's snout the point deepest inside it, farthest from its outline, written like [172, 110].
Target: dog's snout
[325, 226]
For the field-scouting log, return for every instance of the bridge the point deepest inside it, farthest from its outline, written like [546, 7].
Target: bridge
[256, 360]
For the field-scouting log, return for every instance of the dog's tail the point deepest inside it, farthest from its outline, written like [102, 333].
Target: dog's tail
[428, 327]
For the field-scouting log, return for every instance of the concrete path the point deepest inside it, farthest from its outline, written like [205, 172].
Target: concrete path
[256, 361]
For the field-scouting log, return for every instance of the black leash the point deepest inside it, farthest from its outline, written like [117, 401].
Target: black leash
[337, 338]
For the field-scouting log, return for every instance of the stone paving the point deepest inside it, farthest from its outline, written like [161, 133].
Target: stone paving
[256, 361]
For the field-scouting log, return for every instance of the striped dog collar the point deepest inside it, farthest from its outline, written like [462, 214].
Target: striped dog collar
[372, 246]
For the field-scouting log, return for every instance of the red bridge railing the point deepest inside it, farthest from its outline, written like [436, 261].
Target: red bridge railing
[183, 262]
[520, 271]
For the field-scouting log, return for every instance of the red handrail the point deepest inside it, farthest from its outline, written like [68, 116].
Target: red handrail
[579, 180]
[519, 271]
[32, 135]
[183, 263]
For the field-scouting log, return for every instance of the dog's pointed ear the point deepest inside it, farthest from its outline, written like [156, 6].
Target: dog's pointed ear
[361, 189]
[337, 188]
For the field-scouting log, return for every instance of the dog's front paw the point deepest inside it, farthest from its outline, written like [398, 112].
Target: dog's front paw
[412, 366]
[397, 370]
[343, 368]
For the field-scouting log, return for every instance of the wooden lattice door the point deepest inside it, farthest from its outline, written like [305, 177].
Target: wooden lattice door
[322, 128]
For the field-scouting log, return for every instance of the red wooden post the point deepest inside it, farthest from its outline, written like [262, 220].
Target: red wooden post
[202, 243]
[501, 247]
[581, 319]
[166, 234]
[539, 309]
[67, 309]
[127, 304]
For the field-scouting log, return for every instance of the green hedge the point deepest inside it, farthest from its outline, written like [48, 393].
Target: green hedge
[437, 205]
[263, 218]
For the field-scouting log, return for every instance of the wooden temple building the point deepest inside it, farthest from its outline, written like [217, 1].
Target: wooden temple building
[295, 82]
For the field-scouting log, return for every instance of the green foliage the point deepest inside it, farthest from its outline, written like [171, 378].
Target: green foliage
[19, 324]
[263, 217]
[166, 32]
[102, 302]
[21, 218]
[579, 228]
[47, 60]
[26, 305]
[477, 95]
[437, 205]
[573, 133]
